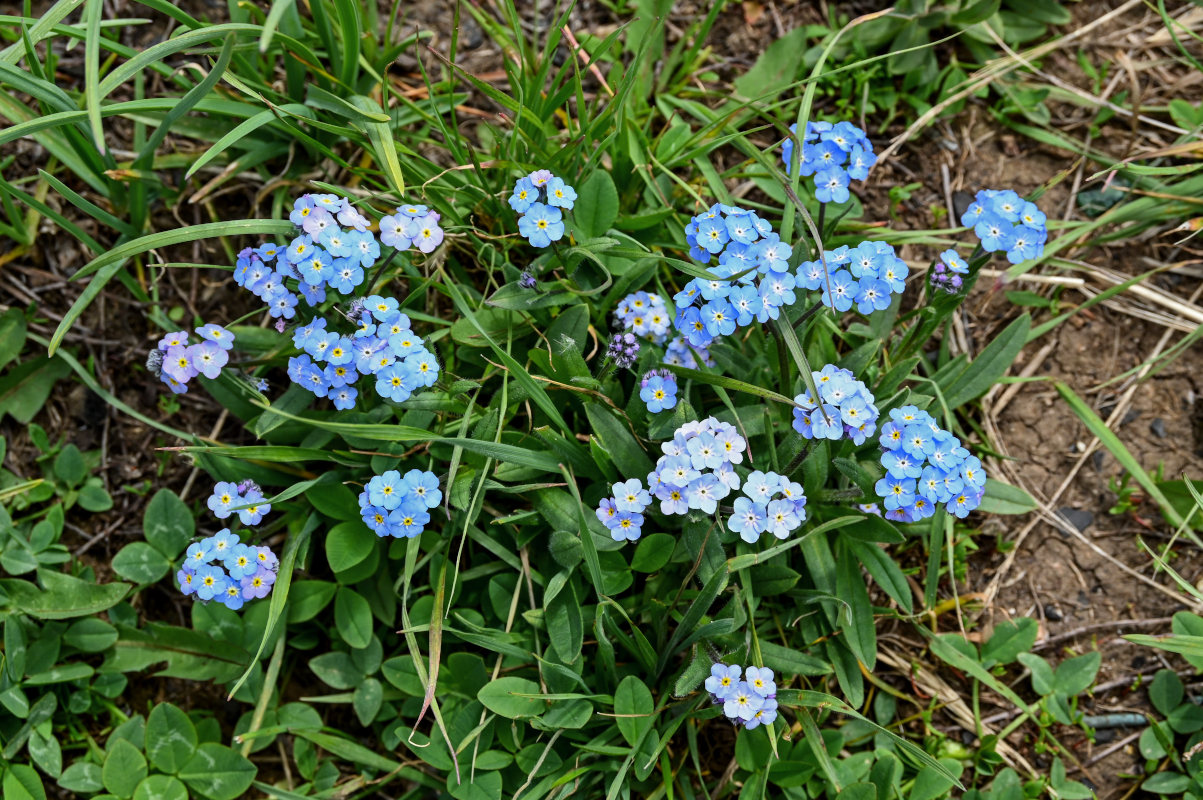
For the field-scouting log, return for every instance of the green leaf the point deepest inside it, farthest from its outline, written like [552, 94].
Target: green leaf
[63, 596]
[1074, 675]
[12, 335]
[140, 563]
[21, 782]
[348, 750]
[90, 635]
[616, 439]
[653, 552]
[506, 697]
[381, 137]
[161, 787]
[168, 524]
[124, 768]
[337, 669]
[81, 777]
[171, 738]
[633, 709]
[353, 617]
[565, 625]
[990, 365]
[218, 772]
[69, 465]
[309, 598]
[596, 206]
[25, 387]
[347, 544]
[1003, 498]
[786, 661]
[1042, 672]
[1008, 640]
[885, 572]
[1166, 783]
[366, 701]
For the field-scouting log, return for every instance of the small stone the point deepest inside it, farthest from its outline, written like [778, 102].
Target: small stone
[1131, 416]
[1097, 458]
[1104, 735]
[1077, 517]
[1051, 613]
[1157, 426]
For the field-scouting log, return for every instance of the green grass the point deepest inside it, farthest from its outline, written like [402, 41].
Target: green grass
[515, 649]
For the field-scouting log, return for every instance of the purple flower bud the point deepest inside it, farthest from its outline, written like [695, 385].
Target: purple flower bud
[955, 282]
[623, 349]
[248, 485]
[526, 280]
[280, 325]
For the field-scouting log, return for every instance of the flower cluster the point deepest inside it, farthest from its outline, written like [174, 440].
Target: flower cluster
[833, 154]
[946, 274]
[176, 362]
[696, 471]
[658, 390]
[540, 200]
[762, 509]
[925, 466]
[868, 275]
[1003, 220]
[644, 314]
[748, 697]
[397, 506]
[221, 567]
[752, 279]
[244, 499]
[846, 412]
[623, 350]
[384, 346]
[411, 226]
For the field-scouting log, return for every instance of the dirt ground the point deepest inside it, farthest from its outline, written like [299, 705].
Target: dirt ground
[1081, 597]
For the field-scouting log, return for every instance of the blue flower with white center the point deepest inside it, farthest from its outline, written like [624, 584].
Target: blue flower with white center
[222, 501]
[217, 335]
[376, 518]
[560, 194]
[396, 232]
[954, 262]
[240, 562]
[211, 581]
[718, 317]
[627, 526]
[347, 275]
[407, 522]
[712, 235]
[423, 487]
[344, 397]
[254, 508]
[831, 185]
[524, 196]
[672, 499]
[282, 304]
[742, 703]
[383, 309]
[761, 681]
[395, 381]
[631, 496]
[424, 368]
[704, 492]
[659, 393]
[723, 680]
[748, 519]
[917, 440]
[542, 225]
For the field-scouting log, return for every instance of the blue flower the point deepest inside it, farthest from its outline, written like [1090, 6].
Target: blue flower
[344, 398]
[240, 562]
[255, 509]
[423, 487]
[704, 493]
[831, 186]
[217, 334]
[841, 291]
[395, 231]
[221, 502]
[347, 275]
[423, 367]
[994, 232]
[376, 518]
[407, 521]
[560, 194]
[211, 581]
[874, 295]
[384, 309]
[524, 196]
[723, 680]
[659, 393]
[387, 491]
[542, 225]
[631, 496]
[282, 304]
[742, 703]
[761, 681]
[748, 519]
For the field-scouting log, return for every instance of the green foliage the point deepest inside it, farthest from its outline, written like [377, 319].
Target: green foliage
[514, 649]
